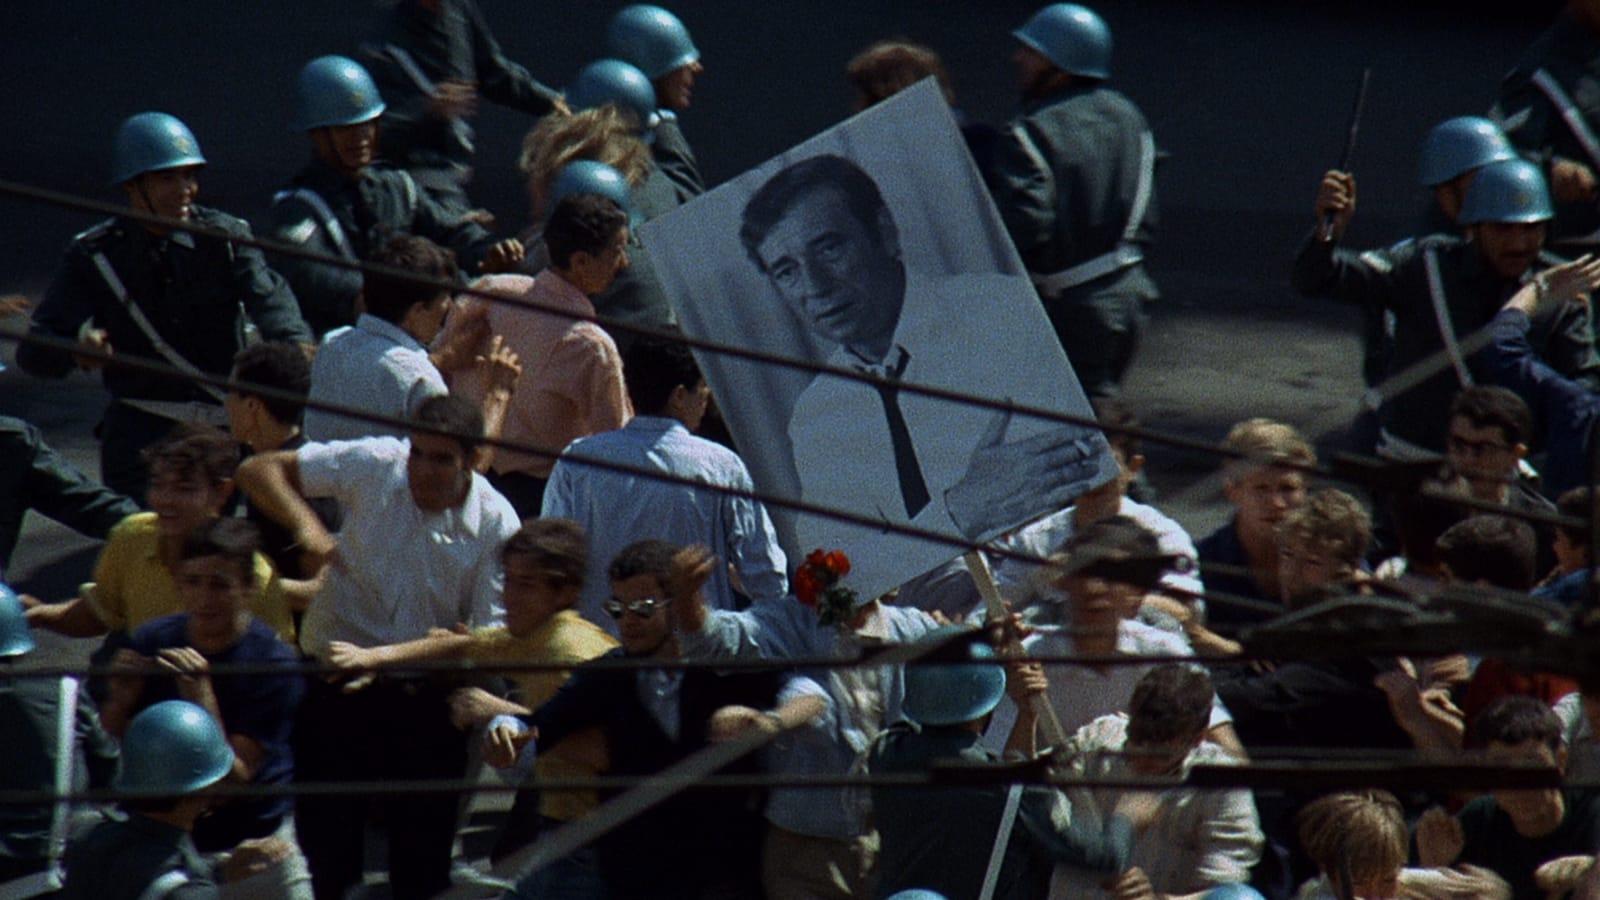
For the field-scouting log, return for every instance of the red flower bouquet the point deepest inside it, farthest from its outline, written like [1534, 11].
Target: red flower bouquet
[816, 584]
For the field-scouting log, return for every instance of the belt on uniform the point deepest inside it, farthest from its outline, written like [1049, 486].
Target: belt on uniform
[192, 412]
[1057, 283]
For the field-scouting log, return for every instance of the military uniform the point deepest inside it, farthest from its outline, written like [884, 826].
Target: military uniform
[675, 159]
[191, 291]
[133, 857]
[35, 477]
[415, 50]
[1074, 181]
[1549, 105]
[1398, 279]
[326, 212]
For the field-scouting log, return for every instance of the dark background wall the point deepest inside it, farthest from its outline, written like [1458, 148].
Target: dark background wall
[1248, 97]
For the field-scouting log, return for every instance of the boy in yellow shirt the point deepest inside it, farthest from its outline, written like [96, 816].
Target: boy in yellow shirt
[544, 568]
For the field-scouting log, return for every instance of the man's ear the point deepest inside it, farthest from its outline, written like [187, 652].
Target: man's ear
[1520, 451]
[1134, 464]
[888, 233]
[480, 458]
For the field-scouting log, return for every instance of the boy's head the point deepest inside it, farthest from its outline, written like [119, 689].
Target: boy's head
[1106, 500]
[1321, 543]
[1488, 436]
[663, 380]
[587, 236]
[1105, 570]
[191, 477]
[280, 366]
[1362, 830]
[1167, 718]
[1490, 550]
[411, 298]
[216, 576]
[639, 601]
[1257, 482]
[544, 564]
[1571, 543]
[1520, 730]
[439, 470]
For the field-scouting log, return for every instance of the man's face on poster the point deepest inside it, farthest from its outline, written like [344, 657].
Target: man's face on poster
[842, 275]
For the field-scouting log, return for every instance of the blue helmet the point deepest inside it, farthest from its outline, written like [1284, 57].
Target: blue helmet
[1510, 191]
[585, 176]
[15, 638]
[1457, 146]
[1071, 36]
[614, 81]
[916, 894]
[334, 91]
[952, 693]
[650, 38]
[1233, 892]
[150, 142]
[173, 747]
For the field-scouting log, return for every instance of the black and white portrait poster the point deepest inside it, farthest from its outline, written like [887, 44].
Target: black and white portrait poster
[874, 247]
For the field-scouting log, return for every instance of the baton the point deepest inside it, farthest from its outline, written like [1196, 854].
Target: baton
[1349, 141]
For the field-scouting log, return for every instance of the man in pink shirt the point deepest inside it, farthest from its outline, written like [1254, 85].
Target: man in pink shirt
[571, 383]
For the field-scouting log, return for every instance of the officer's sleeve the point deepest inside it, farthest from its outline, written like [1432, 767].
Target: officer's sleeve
[267, 298]
[68, 303]
[99, 748]
[1323, 270]
[676, 160]
[326, 295]
[501, 80]
[1571, 348]
[56, 489]
[1025, 190]
[467, 238]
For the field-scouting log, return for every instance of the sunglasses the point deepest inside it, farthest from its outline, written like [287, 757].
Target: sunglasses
[644, 609]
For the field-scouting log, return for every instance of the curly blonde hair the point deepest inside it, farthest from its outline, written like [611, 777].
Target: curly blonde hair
[601, 134]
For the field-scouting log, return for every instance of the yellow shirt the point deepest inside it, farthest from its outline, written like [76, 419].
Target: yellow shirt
[133, 586]
[565, 638]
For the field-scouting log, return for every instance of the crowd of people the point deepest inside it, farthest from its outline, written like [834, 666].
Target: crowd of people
[464, 502]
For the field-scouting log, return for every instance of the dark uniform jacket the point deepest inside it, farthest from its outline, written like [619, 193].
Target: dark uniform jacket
[380, 204]
[1071, 201]
[1396, 279]
[450, 43]
[33, 476]
[195, 290]
[1570, 52]
[123, 858]
[694, 840]
[675, 159]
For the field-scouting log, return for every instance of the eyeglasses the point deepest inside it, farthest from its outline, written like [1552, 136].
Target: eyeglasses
[644, 608]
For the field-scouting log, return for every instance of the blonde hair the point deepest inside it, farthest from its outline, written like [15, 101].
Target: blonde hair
[1263, 442]
[602, 134]
[1333, 522]
[1365, 830]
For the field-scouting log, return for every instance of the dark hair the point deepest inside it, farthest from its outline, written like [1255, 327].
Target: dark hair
[1492, 549]
[652, 367]
[1577, 503]
[1170, 703]
[390, 297]
[586, 222]
[1420, 519]
[653, 558]
[888, 67]
[452, 416]
[235, 540]
[1119, 549]
[1494, 407]
[195, 451]
[1113, 412]
[557, 546]
[767, 207]
[274, 364]
[1514, 720]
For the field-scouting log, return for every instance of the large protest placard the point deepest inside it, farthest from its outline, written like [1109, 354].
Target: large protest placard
[875, 247]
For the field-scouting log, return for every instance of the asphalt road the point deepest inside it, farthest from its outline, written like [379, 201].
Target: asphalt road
[1248, 98]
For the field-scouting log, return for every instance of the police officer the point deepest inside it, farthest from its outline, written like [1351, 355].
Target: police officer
[171, 753]
[1074, 179]
[155, 292]
[433, 60]
[656, 41]
[49, 727]
[1442, 289]
[1549, 106]
[342, 204]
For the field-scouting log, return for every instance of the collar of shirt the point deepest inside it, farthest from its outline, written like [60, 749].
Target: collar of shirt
[551, 289]
[654, 425]
[887, 367]
[389, 331]
[659, 692]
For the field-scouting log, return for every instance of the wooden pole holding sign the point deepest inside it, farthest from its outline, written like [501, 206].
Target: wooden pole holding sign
[1054, 734]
